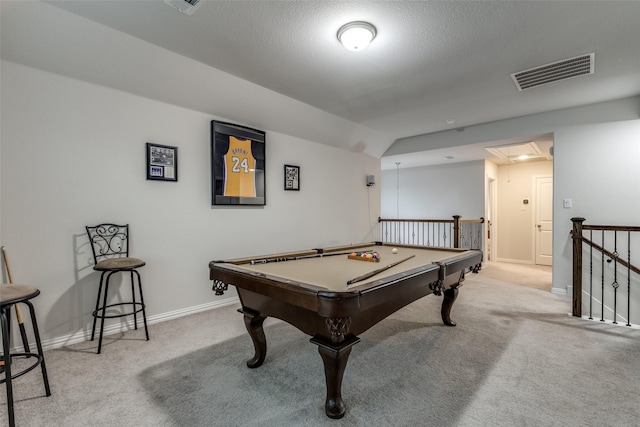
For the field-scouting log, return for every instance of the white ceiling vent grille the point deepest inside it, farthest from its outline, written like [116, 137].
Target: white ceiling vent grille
[185, 6]
[560, 70]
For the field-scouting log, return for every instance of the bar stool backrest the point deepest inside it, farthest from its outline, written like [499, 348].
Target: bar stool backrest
[108, 241]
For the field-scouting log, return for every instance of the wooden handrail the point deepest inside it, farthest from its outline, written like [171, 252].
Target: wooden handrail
[610, 255]
[611, 227]
[380, 219]
[414, 220]
[479, 220]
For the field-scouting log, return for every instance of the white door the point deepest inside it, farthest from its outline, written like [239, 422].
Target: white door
[544, 220]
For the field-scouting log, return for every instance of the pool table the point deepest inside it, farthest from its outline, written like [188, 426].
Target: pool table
[309, 290]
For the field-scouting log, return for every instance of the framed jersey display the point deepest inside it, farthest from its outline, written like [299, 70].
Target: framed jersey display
[237, 165]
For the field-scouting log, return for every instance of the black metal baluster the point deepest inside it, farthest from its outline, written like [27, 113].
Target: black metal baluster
[590, 275]
[615, 277]
[628, 278]
[602, 284]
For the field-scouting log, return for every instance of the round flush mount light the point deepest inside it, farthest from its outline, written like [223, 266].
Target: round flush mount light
[356, 35]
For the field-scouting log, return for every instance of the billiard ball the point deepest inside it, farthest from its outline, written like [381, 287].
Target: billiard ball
[394, 250]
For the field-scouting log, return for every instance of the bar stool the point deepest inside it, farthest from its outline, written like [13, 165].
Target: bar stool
[10, 295]
[110, 247]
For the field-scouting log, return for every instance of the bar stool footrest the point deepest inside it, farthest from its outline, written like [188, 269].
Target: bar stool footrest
[38, 360]
[134, 310]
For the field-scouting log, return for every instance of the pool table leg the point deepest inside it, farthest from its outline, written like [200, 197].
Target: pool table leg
[334, 357]
[450, 295]
[253, 321]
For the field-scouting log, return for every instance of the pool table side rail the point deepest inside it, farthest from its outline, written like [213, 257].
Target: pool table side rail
[247, 260]
[299, 294]
[467, 259]
[392, 245]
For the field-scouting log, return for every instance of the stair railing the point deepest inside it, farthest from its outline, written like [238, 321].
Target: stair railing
[613, 265]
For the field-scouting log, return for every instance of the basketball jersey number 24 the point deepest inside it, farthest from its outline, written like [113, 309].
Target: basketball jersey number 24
[239, 169]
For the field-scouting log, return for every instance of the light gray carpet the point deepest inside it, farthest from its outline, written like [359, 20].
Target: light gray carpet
[516, 358]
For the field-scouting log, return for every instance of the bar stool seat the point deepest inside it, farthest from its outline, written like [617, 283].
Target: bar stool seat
[11, 294]
[116, 264]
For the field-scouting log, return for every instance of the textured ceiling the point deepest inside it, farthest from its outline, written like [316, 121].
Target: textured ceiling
[432, 61]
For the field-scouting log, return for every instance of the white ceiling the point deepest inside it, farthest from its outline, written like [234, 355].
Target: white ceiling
[432, 61]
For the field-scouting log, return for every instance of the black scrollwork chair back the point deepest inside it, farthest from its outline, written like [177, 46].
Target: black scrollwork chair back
[110, 248]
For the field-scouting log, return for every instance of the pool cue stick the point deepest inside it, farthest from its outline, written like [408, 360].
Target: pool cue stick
[23, 332]
[374, 272]
[294, 258]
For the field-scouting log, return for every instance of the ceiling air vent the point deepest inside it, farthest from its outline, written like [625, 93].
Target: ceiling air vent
[185, 6]
[556, 71]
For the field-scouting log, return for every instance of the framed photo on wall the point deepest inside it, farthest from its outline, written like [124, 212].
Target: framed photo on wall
[237, 165]
[162, 162]
[291, 177]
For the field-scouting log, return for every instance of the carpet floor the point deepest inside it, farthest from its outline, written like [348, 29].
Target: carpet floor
[515, 358]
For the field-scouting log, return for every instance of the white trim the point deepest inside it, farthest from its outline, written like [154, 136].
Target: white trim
[515, 261]
[84, 335]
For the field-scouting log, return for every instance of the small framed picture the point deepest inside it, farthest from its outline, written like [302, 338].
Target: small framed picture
[291, 177]
[162, 162]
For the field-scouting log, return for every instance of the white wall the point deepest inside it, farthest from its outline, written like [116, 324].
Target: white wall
[73, 154]
[434, 192]
[596, 166]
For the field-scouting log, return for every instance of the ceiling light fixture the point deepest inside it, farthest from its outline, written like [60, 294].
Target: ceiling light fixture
[356, 35]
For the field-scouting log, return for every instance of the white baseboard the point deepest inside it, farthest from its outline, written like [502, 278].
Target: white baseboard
[84, 335]
[609, 322]
[515, 261]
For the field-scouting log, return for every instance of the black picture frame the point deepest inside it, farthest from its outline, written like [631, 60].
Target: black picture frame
[292, 178]
[162, 162]
[238, 158]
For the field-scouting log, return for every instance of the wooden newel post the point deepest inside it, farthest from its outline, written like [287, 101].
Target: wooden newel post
[576, 234]
[456, 231]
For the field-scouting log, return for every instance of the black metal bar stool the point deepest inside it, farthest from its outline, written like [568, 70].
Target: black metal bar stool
[9, 296]
[110, 247]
